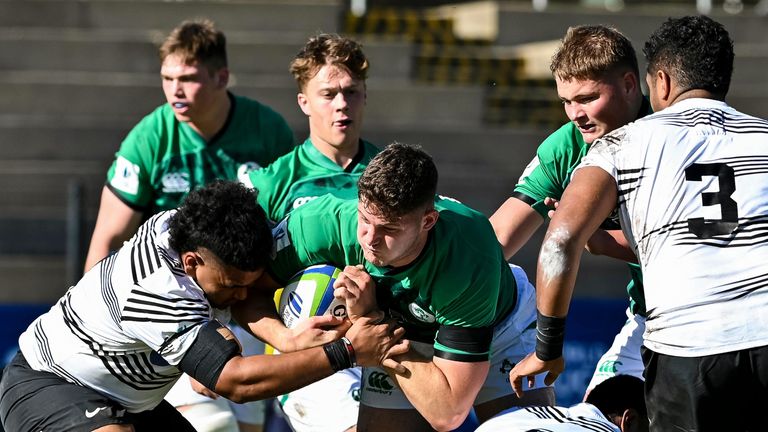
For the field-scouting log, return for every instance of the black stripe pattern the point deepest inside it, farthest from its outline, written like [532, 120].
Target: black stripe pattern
[132, 368]
[561, 416]
[727, 122]
[145, 258]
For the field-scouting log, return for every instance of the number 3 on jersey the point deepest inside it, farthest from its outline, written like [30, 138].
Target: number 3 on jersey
[705, 229]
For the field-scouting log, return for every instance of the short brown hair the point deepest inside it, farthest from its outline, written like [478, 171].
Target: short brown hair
[331, 49]
[197, 41]
[398, 180]
[592, 52]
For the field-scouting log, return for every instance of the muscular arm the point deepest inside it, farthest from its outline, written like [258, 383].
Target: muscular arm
[115, 223]
[258, 315]
[443, 391]
[514, 223]
[257, 377]
[587, 201]
[611, 243]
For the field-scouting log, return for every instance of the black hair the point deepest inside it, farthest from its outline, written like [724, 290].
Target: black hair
[694, 50]
[224, 218]
[617, 394]
[398, 180]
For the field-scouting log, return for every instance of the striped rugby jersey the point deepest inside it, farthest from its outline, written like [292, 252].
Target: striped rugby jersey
[125, 324]
[692, 184]
[581, 417]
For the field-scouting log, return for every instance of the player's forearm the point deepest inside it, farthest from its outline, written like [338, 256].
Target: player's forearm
[246, 379]
[514, 223]
[556, 272]
[259, 316]
[442, 401]
[611, 243]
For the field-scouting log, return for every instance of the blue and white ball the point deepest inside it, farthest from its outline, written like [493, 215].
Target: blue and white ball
[310, 293]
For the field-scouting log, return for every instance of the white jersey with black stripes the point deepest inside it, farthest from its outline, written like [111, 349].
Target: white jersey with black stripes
[581, 417]
[693, 199]
[125, 325]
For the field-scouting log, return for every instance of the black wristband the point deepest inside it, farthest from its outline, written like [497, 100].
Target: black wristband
[550, 336]
[339, 355]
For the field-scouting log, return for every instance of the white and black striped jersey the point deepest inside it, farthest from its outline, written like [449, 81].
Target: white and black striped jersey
[581, 417]
[125, 325]
[693, 200]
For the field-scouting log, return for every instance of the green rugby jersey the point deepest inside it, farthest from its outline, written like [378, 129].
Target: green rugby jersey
[452, 295]
[162, 159]
[305, 174]
[550, 172]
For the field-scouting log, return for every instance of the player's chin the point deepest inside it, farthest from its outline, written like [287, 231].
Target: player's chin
[374, 259]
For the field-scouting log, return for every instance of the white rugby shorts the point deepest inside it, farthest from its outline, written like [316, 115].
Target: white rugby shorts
[513, 339]
[623, 357]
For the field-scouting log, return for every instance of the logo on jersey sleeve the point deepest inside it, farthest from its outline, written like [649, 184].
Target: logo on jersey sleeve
[244, 170]
[126, 177]
[280, 237]
[420, 313]
[175, 182]
[532, 165]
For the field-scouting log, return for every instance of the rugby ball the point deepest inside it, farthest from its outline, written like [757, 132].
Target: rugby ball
[310, 293]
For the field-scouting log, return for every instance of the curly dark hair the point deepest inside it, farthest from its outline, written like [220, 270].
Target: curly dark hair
[332, 49]
[399, 180]
[617, 394]
[694, 50]
[592, 52]
[224, 218]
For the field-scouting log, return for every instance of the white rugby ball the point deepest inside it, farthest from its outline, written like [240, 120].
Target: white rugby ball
[310, 293]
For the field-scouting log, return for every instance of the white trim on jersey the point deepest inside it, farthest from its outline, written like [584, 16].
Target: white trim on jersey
[693, 194]
[122, 329]
[581, 417]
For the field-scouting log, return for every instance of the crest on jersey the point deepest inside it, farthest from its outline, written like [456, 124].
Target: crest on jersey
[175, 182]
[421, 314]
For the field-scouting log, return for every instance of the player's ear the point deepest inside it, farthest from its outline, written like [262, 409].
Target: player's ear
[663, 84]
[222, 77]
[303, 102]
[630, 82]
[633, 421]
[190, 261]
[430, 218]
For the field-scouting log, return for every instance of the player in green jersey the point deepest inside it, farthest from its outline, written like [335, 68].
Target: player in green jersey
[597, 79]
[202, 133]
[330, 71]
[436, 266]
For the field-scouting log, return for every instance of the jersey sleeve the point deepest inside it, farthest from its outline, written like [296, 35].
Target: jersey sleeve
[545, 175]
[604, 152]
[319, 232]
[167, 323]
[129, 177]
[263, 181]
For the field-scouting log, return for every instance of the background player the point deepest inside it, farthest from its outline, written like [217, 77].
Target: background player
[693, 199]
[414, 247]
[615, 405]
[203, 132]
[330, 71]
[595, 69]
[105, 355]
